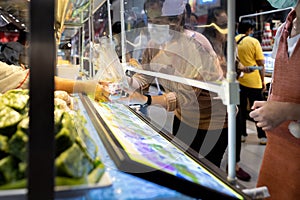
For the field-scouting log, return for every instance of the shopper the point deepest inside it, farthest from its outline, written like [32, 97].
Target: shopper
[12, 52]
[200, 119]
[13, 77]
[280, 169]
[218, 40]
[191, 19]
[251, 84]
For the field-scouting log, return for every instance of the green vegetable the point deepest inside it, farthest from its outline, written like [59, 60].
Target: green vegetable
[59, 181]
[17, 99]
[63, 140]
[8, 170]
[14, 185]
[17, 145]
[9, 118]
[3, 146]
[24, 125]
[76, 152]
[96, 174]
[73, 163]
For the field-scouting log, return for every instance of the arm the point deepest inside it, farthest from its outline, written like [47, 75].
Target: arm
[262, 71]
[270, 114]
[90, 87]
[138, 98]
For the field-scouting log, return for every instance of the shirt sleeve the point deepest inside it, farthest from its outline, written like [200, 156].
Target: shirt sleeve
[13, 77]
[258, 52]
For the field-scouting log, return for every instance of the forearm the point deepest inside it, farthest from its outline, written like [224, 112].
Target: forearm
[133, 83]
[292, 111]
[156, 100]
[72, 86]
[262, 71]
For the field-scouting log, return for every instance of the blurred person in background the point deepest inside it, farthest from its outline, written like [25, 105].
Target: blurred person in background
[191, 19]
[251, 84]
[218, 41]
[279, 116]
[15, 52]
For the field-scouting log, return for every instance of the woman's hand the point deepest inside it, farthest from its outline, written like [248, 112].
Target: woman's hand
[270, 114]
[133, 98]
[102, 93]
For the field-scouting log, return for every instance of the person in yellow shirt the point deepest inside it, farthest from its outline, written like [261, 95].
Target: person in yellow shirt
[251, 84]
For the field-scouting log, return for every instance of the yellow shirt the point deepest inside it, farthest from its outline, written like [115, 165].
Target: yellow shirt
[249, 50]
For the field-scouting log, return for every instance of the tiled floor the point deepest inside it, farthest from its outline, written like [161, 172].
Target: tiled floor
[251, 153]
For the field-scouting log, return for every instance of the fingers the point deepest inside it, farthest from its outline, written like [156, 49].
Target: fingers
[257, 104]
[123, 100]
[102, 93]
[247, 70]
[104, 83]
[254, 114]
[264, 125]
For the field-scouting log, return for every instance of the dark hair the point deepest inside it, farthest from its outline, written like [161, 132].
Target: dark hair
[116, 27]
[188, 10]
[196, 16]
[213, 13]
[211, 32]
[175, 19]
[23, 37]
[244, 26]
[149, 3]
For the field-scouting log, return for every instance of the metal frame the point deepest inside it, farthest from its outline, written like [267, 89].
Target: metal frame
[42, 65]
[42, 61]
[124, 161]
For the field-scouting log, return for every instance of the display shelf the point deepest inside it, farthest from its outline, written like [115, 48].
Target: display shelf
[139, 149]
[123, 186]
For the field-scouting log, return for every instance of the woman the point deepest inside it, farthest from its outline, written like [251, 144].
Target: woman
[200, 119]
[280, 170]
[219, 43]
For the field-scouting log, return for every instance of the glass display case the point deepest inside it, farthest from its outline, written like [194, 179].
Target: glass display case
[139, 148]
[132, 143]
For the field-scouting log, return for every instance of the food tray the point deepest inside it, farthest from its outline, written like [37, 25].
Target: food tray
[60, 191]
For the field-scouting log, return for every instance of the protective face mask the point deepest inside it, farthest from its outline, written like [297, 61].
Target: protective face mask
[159, 34]
[283, 3]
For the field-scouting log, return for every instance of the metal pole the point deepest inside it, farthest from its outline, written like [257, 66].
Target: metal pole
[109, 20]
[91, 30]
[123, 37]
[231, 78]
[41, 113]
[264, 13]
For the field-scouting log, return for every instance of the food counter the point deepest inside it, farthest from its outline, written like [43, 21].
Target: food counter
[134, 159]
[144, 163]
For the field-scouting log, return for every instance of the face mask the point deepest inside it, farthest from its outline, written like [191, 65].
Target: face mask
[159, 34]
[283, 3]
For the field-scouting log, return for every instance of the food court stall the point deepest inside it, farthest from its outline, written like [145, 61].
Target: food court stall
[131, 158]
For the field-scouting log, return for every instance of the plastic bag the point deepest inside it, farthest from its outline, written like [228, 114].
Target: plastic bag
[110, 70]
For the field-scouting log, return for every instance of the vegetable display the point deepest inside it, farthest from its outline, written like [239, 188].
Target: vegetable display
[76, 153]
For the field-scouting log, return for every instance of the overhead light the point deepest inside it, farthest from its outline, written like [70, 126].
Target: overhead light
[7, 18]
[4, 20]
